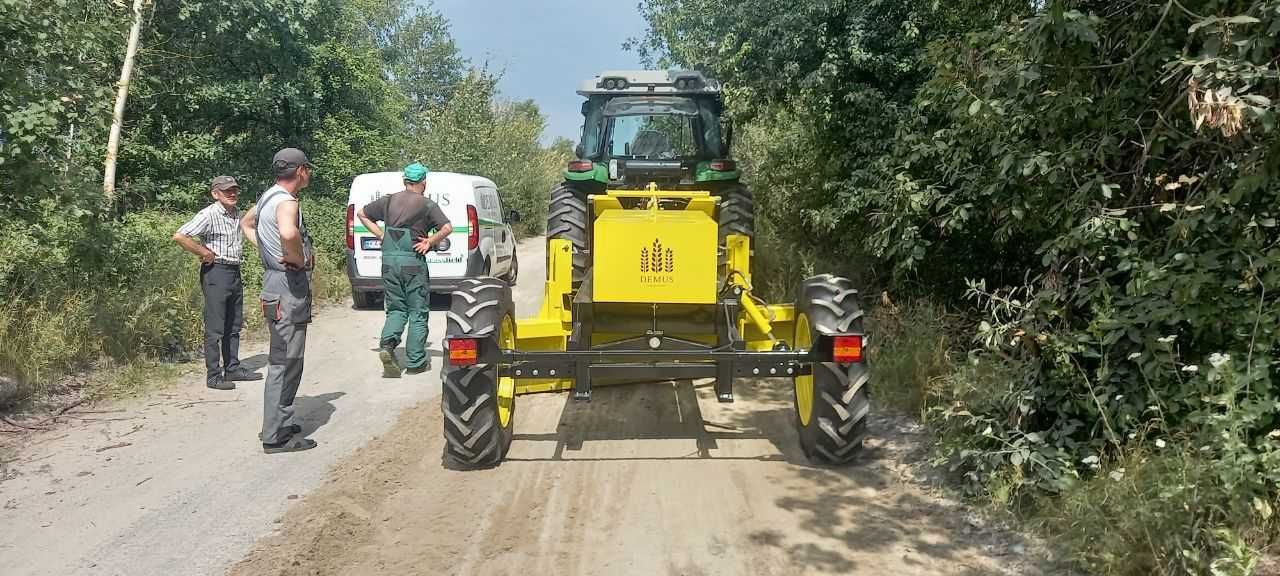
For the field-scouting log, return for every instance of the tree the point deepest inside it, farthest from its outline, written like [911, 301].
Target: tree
[117, 115]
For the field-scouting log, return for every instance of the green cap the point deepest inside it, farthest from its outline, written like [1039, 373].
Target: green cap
[415, 172]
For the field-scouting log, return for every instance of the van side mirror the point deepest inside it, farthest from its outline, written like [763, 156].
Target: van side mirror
[513, 217]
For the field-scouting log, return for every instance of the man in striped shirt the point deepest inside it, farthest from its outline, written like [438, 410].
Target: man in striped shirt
[218, 227]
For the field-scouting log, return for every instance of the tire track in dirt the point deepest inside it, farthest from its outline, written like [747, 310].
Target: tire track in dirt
[646, 479]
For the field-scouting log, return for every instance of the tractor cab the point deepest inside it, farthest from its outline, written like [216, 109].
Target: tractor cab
[646, 126]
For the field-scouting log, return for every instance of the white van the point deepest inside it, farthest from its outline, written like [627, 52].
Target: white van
[482, 243]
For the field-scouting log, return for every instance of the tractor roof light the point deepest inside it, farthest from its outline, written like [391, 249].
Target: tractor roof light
[613, 83]
[847, 349]
[462, 351]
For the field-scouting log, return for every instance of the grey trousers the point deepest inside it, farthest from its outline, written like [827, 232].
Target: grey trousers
[223, 317]
[284, 374]
[286, 307]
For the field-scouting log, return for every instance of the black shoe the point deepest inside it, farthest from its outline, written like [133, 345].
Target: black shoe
[242, 375]
[293, 444]
[419, 369]
[218, 383]
[294, 429]
[390, 366]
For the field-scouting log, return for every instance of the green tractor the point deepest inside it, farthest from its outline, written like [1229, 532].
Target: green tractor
[643, 127]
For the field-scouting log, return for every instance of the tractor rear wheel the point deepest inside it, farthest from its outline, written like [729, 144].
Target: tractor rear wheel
[567, 219]
[831, 401]
[478, 405]
[737, 212]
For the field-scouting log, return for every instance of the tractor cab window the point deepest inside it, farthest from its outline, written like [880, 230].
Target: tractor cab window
[653, 137]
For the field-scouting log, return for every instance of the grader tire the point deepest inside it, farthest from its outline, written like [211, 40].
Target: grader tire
[838, 402]
[475, 436]
[567, 219]
[737, 212]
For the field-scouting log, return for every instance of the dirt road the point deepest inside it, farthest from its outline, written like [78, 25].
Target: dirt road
[646, 479]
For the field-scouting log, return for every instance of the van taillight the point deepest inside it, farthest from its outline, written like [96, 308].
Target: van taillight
[351, 226]
[473, 228]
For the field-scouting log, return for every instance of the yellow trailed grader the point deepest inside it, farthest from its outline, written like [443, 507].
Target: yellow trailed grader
[649, 278]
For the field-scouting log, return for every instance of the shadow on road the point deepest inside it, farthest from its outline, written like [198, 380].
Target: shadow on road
[313, 412]
[255, 362]
[845, 515]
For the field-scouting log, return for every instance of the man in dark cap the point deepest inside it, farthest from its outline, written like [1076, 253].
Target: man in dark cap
[275, 225]
[218, 228]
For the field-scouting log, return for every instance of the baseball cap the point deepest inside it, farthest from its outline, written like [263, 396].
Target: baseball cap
[287, 160]
[222, 183]
[415, 172]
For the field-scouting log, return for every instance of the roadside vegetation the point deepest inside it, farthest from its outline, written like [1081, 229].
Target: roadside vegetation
[1066, 215]
[219, 85]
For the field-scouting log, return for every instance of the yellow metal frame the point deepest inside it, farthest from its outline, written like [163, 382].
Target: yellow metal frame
[762, 326]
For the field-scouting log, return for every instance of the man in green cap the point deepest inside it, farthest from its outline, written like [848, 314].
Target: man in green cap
[409, 217]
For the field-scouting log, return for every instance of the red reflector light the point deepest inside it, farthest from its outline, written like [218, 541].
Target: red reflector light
[351, 226]
[473, 228]
[723, 165]
[581, 166]
[462, 351]
[847, 349]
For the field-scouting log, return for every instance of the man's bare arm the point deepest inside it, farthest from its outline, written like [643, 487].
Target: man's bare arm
[290, 236]
[428, 242]
[369, 223]
[190, 245]
[249, 225]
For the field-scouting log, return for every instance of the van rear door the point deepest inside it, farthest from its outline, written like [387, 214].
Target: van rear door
[452, 194]
[366, 247]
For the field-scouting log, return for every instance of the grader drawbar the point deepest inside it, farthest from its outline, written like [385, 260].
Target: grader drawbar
[652, 284]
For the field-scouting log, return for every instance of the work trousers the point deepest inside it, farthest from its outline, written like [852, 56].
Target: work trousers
[286, 308]
[223, 317]
[406, 295]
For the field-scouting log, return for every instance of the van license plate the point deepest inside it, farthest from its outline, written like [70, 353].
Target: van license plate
[370, 244]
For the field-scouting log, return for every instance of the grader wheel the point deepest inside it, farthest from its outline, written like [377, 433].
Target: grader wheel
[478, 406]
[737, 211]
[832, 402]
[567, 219]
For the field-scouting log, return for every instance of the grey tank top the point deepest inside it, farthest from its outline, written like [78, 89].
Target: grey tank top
[269, 245]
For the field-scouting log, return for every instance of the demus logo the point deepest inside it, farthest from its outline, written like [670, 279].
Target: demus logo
[657, 264]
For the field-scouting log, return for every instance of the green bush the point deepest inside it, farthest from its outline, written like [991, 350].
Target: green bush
[78, 291]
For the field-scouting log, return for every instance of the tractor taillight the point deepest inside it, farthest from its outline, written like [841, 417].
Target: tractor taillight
[847, 349]
[351, 226]
[723, 165]
[581, 166]
[462, 351]
[473, 227]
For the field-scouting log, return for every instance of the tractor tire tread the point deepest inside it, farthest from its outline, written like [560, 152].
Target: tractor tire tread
[473, 436]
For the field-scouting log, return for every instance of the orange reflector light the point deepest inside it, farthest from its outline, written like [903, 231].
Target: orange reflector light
[462, 351]
[847, 349]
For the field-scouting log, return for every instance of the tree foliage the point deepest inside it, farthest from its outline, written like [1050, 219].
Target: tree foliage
[1093, 183]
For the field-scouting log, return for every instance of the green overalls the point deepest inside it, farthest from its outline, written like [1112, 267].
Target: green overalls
[405, 286]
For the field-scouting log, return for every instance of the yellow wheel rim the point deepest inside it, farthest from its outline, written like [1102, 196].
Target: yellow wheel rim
[506, 384]
[804, 383]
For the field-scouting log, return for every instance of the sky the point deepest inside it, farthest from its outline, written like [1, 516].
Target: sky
[545, 48]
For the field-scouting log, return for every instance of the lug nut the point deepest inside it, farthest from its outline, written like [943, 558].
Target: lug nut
[518, 373]
[791, 370]
[755, 371]
[552, 372]
[535, 371]
[773, 371]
